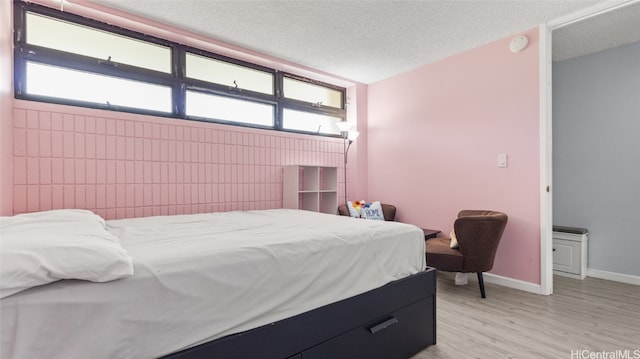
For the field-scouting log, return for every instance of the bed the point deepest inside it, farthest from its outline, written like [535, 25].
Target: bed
[256, 284]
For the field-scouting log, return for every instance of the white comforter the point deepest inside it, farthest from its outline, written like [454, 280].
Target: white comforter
[201, 277]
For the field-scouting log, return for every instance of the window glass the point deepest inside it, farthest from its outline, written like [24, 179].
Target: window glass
[308, 92]
[310, 122]
[229, 109]
[78, 39]
[59, 82]
[228, 74]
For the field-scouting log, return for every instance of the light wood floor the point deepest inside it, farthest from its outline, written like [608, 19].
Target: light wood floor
[592, 314]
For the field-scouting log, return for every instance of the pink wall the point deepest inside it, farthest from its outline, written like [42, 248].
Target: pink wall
[123, 165]
[434, 135]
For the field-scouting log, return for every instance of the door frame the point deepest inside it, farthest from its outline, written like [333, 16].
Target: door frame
[546, 136]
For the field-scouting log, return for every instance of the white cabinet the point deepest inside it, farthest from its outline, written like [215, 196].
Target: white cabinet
[570, 252]
[312, 188]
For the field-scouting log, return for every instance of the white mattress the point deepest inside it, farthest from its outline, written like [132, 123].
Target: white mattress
[204, 276]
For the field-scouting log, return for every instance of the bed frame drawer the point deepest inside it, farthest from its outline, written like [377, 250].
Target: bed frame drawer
[400, 334]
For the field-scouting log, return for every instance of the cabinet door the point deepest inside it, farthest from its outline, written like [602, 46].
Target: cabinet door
[566, 256]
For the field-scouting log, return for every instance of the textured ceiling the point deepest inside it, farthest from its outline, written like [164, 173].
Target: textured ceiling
[605, 31]
[364, 41]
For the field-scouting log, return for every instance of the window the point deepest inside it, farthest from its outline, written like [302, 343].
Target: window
[229, 109]
[63, 83]
[65, 58]
[228, 74]
[61, 35]
[310, 122]
[309, 92]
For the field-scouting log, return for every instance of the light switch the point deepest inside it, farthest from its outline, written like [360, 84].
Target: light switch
[502, 160]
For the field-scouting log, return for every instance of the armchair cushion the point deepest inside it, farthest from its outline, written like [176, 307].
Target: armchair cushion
[440, 255]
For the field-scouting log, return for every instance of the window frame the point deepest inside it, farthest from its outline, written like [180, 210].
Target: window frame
[317, 83]
[176, 79]
[211, 88]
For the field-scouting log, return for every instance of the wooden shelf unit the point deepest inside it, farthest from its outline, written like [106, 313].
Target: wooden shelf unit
[311, 188]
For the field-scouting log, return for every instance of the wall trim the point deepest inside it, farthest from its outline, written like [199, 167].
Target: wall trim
[612, 276]
[537, 289]
[546, 162]
[507, 282]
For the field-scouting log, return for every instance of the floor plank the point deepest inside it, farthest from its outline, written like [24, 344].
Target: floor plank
[594, 315]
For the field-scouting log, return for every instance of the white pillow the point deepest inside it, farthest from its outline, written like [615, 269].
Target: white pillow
[354, 208]
[43, 247]
[373, 211]
[367, 210]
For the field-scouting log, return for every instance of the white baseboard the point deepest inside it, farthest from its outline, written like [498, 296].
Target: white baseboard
[512, 283]
[536, 288]
[507, 282]
[616, 277]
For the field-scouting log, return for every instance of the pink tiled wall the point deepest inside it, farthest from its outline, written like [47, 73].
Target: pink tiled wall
[121, 165]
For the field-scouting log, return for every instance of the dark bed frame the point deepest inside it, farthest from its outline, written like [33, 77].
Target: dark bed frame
[394, 321]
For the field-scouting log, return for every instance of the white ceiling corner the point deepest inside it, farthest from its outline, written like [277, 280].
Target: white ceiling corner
[364, 41]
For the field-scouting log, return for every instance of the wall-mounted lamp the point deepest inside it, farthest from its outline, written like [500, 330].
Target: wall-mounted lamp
[519, 43]
[348, 137]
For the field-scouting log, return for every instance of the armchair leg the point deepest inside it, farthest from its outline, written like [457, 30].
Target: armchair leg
[481, 283]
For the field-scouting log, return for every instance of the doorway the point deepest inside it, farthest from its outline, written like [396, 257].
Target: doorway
[562, 39]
